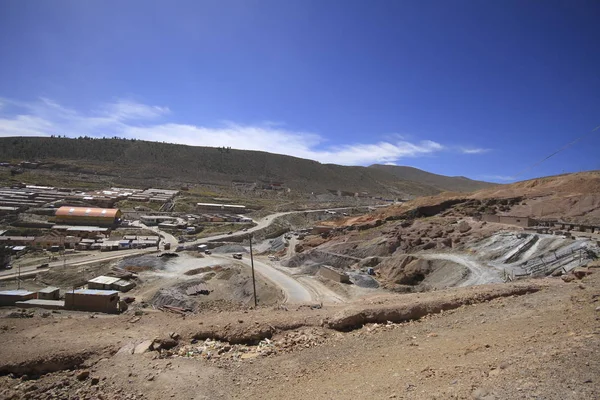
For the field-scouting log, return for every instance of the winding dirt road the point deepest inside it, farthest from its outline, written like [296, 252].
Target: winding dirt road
[294, 291]
[478, 274]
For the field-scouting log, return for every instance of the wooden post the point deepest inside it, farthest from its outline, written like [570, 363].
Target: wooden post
[253, 279]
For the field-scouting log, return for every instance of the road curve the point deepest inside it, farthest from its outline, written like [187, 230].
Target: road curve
[264, 222]
[293, 290]
[478, 274]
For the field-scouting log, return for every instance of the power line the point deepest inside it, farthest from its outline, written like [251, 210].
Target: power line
[556, 152]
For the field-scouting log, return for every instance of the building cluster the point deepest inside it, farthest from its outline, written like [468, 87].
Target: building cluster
[170, 222]
[153, 195]
[223, 208]
[129, 242]
[23, 197]
[101, 295]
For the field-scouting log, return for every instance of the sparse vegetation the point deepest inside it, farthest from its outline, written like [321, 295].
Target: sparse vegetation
[85, 162]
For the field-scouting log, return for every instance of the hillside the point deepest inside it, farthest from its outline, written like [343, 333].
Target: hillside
[570, 197]
[442, 182]
[142, 162]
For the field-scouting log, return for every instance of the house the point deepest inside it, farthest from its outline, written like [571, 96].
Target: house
[110, 283]
[105, 301]
[10, 297]
[48, 293]
[330, 273]
[102, 282]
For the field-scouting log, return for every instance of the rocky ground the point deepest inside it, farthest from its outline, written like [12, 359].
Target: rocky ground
[537, 339]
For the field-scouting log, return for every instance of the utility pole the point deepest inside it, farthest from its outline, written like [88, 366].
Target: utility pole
[252, 264]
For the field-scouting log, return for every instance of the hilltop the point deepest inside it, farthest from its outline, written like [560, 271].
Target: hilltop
[141, 163]
[442, 182]
[569, 197]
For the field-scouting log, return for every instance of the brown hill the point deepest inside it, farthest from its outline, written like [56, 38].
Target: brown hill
[442, 182]
[142, 163]
[571, 197]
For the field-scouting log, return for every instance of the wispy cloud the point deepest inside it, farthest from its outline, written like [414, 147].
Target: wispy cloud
[498, 178]
[467, 150]
[130, 119]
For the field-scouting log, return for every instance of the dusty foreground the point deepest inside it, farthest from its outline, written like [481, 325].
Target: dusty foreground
[529, 340]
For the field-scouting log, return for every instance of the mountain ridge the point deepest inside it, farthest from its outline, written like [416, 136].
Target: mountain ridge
[132, 160]
[444, 182]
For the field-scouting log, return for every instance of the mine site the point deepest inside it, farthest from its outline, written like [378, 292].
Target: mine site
[114, 293]
[299, 200]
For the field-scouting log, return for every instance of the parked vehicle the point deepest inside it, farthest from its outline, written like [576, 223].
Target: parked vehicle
[207, 252]
[237, 256]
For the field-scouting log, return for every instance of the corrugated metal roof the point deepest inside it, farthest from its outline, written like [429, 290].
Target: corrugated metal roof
[49, 289]
[67, 211]
[17, 292]
[95, 292]
[104, 280]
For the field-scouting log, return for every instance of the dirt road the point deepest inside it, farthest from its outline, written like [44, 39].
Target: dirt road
[90, 259]
[263, 223]
[478, 274]
[293, 290]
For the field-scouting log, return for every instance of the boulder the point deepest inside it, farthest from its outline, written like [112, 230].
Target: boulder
[83, 375]
[143, 347]
[579, 273]
[463, 227]
[167, 343]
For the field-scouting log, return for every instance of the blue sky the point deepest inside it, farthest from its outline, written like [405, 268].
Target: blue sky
[475, 88]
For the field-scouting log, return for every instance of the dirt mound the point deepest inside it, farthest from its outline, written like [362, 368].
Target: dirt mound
[229, 248]
[412, 273]
[173, 297]
[138, 268]
[202, 270]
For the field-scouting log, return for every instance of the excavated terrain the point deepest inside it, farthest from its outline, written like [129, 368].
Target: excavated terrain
[531, 339]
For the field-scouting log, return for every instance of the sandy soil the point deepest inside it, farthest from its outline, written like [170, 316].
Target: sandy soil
[526, 340]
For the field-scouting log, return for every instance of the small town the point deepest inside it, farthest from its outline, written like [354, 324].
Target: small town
[299, 200]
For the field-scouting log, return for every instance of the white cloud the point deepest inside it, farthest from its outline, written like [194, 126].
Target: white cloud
[124, 110]
[498, 178]
[467, 150]
[130, 119]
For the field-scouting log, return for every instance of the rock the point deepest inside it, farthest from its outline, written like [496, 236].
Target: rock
[429, 245]
[567, 278]
[174, 335]
[463, 227]
[143, 347]
[83, 375]
[126, 349]
[579, 273]
[95, 381]
[167, 343]
[447, 242]
[483, 394]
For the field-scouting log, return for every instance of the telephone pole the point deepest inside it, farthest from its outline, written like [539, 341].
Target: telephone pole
[252, 264]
